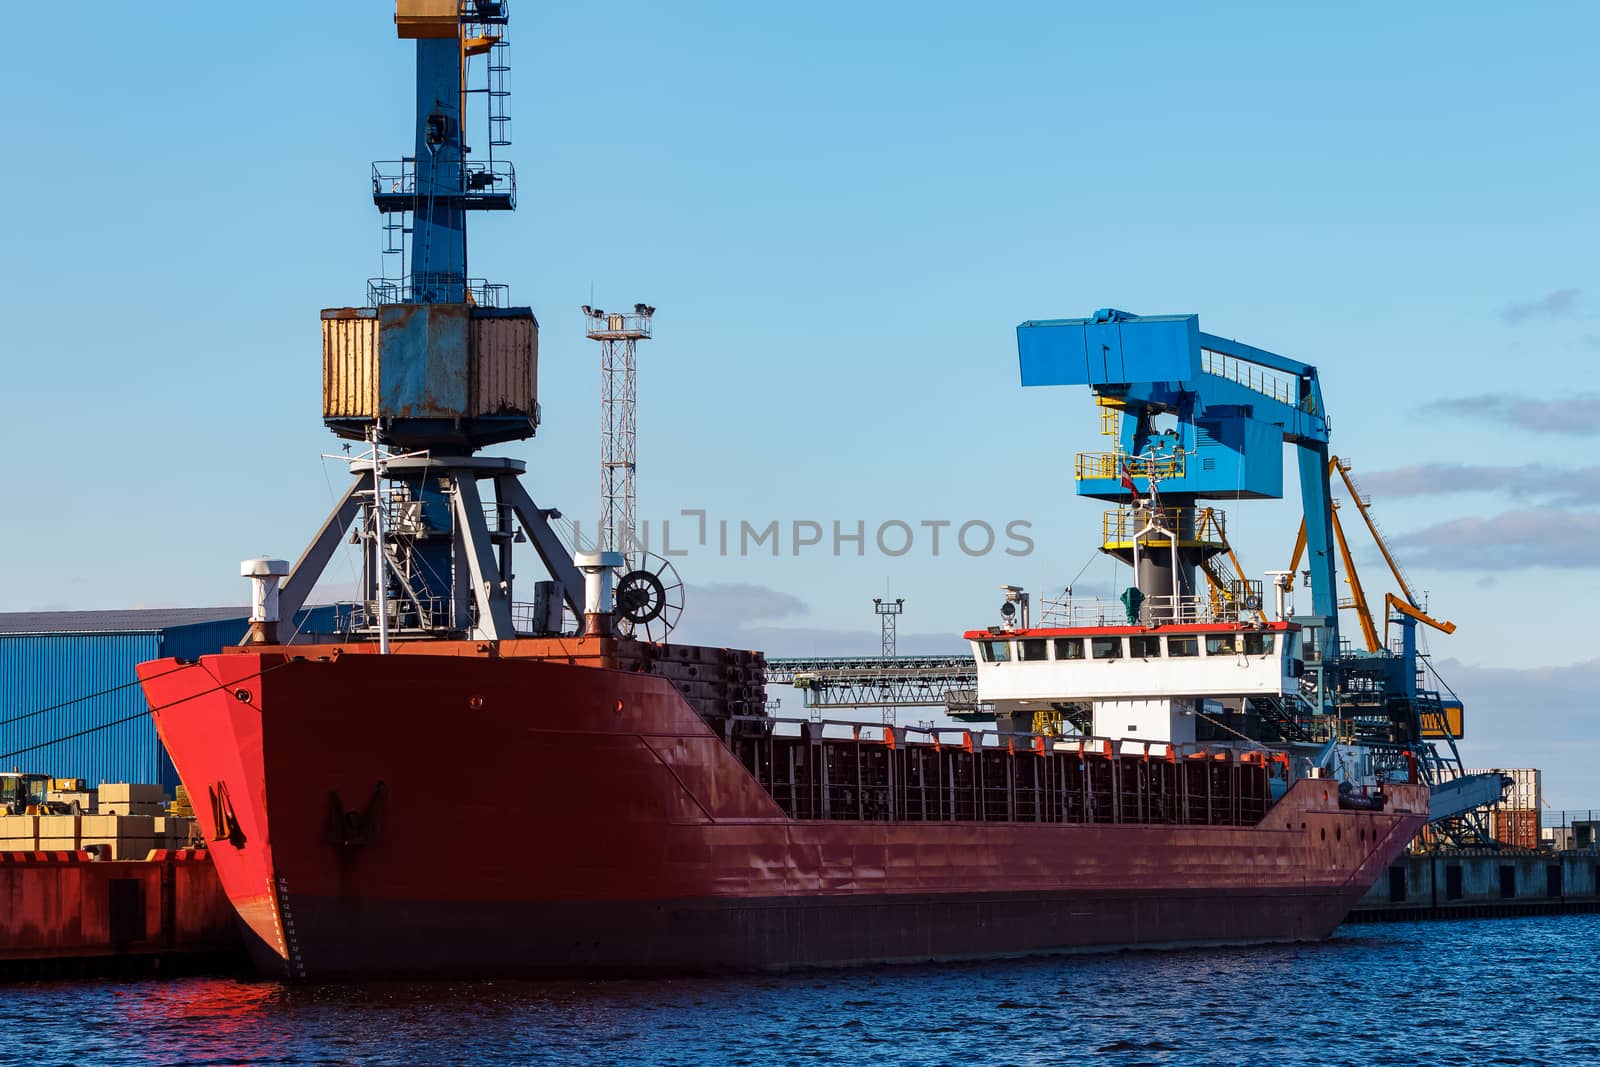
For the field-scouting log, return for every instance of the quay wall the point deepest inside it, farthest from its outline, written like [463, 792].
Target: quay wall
[1478, 883]
[66, 906]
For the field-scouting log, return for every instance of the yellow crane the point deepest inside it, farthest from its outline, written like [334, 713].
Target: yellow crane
[1358, 597]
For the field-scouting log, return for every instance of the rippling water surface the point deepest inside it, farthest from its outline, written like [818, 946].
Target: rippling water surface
[1508, 991]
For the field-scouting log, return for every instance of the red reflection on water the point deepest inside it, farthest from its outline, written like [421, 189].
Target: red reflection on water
[217, 1020]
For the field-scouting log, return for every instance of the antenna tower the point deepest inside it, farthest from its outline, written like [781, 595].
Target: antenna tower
[619, 334]
[888, 611]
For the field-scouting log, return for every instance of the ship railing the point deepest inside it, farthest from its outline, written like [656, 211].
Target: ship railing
[1186, 608]
[1067, 611]
[1112, 464]
[405, 615]
[883, 772]
[994, 740]
[535, 618]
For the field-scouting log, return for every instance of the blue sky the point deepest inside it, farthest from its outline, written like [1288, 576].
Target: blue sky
[841, 211]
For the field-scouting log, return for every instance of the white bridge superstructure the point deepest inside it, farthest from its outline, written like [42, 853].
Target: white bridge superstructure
[1144, 683]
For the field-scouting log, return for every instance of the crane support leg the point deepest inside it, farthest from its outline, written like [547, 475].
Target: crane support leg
[545, 542]
[315, 558]
[1315, 504]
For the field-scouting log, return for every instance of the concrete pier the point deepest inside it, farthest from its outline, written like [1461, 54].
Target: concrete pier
[1482, 883]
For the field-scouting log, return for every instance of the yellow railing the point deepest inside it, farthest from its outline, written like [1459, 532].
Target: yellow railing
[1211, 526]
[1120, 525]
[1110, 464]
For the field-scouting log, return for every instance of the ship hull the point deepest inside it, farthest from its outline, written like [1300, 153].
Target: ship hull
[650, 937]
[464, 814]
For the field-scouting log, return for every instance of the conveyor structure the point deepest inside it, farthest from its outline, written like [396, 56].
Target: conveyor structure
[948, 682]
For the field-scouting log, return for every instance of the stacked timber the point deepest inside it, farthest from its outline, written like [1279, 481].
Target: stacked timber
[122, 798]
[60, 833]
[116, 837]
[19, 833]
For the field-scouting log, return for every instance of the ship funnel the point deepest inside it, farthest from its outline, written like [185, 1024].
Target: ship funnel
[263, 574]
[598, 569]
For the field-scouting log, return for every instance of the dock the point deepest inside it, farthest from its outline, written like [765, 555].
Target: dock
[1483, 883]
[66, 912]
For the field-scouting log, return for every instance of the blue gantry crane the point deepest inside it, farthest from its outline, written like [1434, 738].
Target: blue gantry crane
[1207, 418]
[1198, 417]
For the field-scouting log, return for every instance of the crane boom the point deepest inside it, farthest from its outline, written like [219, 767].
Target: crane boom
[1365, 508]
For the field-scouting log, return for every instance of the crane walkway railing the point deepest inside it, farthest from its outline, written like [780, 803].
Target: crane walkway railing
[1112, 465]
[437, 288]
[484, 185]
[1278, 385]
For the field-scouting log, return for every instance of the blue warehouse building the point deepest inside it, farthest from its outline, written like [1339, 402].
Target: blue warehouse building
[69, 703]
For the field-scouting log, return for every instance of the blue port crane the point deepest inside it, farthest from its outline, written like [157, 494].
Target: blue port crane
[427, 196]
[1233, 408]
[1206, 418]
[436, 366]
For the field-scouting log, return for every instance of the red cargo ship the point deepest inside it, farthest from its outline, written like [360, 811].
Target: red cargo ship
[461, 782]
[580, 816]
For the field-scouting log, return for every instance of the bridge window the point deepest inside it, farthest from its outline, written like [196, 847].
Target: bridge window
[1105, 647]
[1144, 646]
[996, 651]
[1257, 644]
[1032, 649]
[1222, 644]
[1069, 648]
[1183, 646]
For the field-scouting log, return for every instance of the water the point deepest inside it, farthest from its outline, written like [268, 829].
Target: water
[1507, 991]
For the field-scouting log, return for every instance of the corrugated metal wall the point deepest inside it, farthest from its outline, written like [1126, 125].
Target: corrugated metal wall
[201, 638]
[42, 670]
[349, 364]
[506, 365]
